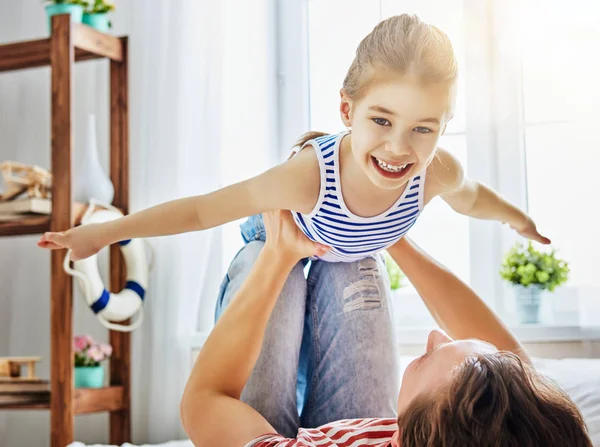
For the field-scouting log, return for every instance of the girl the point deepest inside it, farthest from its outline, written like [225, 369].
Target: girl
[358, 191]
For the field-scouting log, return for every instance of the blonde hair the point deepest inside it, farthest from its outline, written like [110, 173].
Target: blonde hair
[402, 44]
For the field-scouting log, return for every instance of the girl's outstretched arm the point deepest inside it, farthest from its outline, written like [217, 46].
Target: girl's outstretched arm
[474, 199]
[293, 185]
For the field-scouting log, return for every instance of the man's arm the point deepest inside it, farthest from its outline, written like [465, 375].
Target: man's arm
[211, 411]
[455, 306]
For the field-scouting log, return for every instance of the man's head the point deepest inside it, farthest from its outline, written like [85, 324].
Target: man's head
[466, 392]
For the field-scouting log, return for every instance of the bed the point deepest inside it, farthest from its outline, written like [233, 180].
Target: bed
[579, 377]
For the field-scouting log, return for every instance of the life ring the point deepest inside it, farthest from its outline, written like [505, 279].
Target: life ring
[108, 306]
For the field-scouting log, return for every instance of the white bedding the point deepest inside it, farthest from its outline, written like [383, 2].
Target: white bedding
[580, 378]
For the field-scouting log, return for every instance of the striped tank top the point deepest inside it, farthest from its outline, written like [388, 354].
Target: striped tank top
[353, 237]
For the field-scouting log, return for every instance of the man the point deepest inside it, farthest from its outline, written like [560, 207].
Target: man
[460, 392]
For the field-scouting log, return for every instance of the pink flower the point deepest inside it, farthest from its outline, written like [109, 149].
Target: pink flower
[106, 350]
[80, 342]
[95, 354]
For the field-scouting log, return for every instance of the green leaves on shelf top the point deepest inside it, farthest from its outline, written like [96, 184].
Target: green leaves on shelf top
[526, 266]
[89, 6]
[65, 2]
[98, 6]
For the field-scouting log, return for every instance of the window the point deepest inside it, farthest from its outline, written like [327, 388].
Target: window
[561, 99]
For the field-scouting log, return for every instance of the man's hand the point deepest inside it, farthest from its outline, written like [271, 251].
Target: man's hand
[284, 236]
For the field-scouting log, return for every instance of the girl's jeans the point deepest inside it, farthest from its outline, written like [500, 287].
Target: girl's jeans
[329, 349]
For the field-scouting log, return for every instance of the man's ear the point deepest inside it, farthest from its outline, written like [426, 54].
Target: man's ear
[345, 108]
[396, 439]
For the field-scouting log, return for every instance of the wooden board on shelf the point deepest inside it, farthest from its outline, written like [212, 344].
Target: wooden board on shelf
[25, 400]
[88, 42]
[27, 225]
[20, 386]
[36, 224]
[95, 42]
[85, 401]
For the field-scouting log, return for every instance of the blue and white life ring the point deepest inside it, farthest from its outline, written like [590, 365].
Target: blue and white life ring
[108, 306]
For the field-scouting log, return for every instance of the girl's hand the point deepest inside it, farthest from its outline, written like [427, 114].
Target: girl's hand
[83, 241]
[527, 228]
[284, 236]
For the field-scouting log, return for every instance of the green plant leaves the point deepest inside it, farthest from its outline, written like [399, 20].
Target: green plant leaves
[395, 274]
[526, 266]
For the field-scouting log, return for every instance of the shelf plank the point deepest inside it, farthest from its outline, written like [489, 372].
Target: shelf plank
[94, 400]
[42, 402]
[89, 44]
[34, 53]
[29, 406]
[27, 54]
[120, 363]
[35, 224]
[85, 401]
[95, 42]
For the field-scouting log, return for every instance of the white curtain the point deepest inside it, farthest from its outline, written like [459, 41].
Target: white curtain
[176, 88]
[175, 128]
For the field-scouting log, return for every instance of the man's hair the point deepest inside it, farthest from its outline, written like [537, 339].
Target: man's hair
[494, 400]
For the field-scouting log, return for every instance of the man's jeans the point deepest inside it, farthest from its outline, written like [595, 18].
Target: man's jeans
[329, 351]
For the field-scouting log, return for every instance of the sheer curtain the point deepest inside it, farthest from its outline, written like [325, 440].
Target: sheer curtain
[176, 88]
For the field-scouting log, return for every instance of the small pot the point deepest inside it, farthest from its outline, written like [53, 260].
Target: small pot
[89, 377]
[76, 12]
[99, 21]
[528, 304]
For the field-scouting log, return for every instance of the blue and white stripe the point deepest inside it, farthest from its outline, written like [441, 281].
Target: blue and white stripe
[353, 237]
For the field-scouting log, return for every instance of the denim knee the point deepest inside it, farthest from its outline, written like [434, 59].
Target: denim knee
[253, 229]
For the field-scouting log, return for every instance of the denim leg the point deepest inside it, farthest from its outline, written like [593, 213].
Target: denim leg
[271, 389]
[353, 365]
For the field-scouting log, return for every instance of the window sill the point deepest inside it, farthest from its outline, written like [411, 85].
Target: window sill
[535, 333]
[525, 333]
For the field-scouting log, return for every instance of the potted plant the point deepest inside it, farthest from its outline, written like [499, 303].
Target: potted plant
[73, 7]
[96, 14]
[88, 355]
[394, 273]
[531, 272]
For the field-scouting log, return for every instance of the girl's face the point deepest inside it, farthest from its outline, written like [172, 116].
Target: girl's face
[396, 125]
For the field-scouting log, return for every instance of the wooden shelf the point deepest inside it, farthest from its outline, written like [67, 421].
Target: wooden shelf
[69, 43]
[85, 401]
[27, 225]
[88, 44]
[37, 224]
